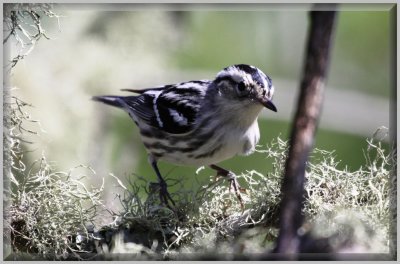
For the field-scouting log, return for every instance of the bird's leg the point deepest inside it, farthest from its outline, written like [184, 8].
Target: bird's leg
[164, 195]
[233, 181]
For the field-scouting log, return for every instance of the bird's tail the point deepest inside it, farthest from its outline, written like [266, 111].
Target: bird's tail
[109, 100]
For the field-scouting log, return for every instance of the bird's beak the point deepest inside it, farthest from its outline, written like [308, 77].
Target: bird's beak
[268, 104]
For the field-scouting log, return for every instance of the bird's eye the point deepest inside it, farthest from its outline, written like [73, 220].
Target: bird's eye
[241, 89]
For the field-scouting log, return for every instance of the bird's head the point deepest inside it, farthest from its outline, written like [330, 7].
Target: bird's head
[246, 84]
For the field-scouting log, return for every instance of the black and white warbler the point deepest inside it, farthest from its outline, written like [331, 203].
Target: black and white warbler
[200, 122]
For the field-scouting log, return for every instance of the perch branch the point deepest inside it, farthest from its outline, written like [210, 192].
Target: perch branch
[303, 130]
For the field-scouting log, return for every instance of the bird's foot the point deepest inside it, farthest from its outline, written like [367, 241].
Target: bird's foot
[165, 197]
[231, 177]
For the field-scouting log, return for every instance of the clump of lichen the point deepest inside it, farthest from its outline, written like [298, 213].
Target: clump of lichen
[352, 210]
[46, 209]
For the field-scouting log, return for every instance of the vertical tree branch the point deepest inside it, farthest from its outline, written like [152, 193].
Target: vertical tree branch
[305, 124]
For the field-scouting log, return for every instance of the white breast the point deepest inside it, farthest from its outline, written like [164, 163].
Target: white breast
[234, 141]
[250, 139]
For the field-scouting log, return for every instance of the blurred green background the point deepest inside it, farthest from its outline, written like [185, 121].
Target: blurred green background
[100, 49]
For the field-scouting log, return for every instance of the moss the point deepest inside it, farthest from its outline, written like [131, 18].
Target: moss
[351, 209]
[49, 211]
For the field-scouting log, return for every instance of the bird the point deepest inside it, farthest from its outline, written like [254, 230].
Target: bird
[201, 122]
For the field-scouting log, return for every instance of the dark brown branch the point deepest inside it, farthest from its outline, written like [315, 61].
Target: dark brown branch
[305, 124]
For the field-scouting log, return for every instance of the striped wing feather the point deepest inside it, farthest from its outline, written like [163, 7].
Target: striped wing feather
[172, 108]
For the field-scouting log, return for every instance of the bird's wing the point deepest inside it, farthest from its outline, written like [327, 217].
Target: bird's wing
[172, 108]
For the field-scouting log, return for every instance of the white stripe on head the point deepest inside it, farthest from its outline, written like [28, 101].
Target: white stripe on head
[265, 80]
[236, 74]
[271, 91]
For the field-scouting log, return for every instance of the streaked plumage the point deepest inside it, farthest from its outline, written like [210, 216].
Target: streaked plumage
[200, 122]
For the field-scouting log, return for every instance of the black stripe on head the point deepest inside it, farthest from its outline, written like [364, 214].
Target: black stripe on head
[224, 78]
[257, 75]
[247, 68]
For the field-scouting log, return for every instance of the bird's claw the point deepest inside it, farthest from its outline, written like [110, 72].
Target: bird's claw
[233, 183]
